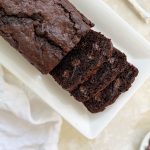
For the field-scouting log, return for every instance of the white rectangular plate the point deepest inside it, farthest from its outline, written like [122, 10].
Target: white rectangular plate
[124, 38]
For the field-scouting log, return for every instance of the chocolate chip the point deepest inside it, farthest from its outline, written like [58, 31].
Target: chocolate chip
[90, 56]
[104, 53]
[76, 62]
[112, 60]
[95, 46]
[66, 74]
[117, 83]
[98, 97]
[83, 89]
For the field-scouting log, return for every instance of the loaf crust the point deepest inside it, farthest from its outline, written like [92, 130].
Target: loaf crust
[44, 31]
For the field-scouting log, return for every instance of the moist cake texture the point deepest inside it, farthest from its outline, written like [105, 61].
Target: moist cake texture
[44, 31]
[103, 77]
[83, 61]
[109, 95]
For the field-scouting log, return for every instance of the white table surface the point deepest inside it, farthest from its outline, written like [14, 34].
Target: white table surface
[131, 124]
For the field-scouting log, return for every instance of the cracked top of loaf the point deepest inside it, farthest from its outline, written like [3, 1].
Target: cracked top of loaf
[45, 29]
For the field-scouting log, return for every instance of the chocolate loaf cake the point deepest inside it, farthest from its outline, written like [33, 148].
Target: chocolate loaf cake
[43, 31]
[109, 95]
[83, 61]
[104, 76]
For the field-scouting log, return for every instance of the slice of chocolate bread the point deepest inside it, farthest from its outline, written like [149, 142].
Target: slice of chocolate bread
[103, 77]
[109, 95]
[44, 31]
[92, 51]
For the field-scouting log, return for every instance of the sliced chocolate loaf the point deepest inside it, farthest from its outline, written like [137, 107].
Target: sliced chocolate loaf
[104, 76]
[44, 31]
[109, 95]
[92, 51]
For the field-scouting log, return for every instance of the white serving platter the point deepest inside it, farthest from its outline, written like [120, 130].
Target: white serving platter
[124, 38]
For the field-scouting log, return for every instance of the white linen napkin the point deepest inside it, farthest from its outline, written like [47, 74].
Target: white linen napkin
[26, 123]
